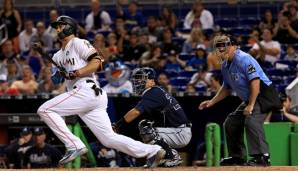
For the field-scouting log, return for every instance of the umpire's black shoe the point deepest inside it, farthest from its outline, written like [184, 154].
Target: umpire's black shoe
[260, 160]
[232, 161]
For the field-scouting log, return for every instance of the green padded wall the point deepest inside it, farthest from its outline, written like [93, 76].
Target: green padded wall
[294, 149]
[278, 138]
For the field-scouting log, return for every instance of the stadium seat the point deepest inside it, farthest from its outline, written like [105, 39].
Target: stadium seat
[179, 81]
[227, 22]
[237, 31]
[291, 64]
[187, 74]
[248, 22]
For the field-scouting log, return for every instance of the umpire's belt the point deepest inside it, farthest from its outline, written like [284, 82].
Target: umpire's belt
[96, 89]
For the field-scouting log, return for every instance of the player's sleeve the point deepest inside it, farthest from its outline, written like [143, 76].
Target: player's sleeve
[251, 68]
[148, 103]
[85, 50]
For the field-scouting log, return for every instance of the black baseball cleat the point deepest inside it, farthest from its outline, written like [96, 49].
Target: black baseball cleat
[232, 161]
[155, 160]
[176, 160]
[260, 160]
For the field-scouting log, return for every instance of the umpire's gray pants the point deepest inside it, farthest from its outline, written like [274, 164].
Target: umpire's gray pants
[175, 137]
[234, 127]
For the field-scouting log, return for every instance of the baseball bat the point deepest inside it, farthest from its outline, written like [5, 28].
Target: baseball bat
[38, 47]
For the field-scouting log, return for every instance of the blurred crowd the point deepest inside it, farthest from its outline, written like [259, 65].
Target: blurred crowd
[176, 50]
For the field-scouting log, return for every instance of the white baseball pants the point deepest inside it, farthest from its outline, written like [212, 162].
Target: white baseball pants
[92, 110]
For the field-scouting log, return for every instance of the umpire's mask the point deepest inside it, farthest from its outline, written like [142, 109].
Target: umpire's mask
[139, 78]
[221, 45]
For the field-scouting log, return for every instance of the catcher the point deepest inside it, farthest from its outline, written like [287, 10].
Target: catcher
[166, 123]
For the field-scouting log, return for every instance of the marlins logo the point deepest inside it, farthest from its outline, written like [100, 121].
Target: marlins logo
[251, 69]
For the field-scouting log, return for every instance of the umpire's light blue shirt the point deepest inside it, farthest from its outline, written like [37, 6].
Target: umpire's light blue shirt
[240, 72]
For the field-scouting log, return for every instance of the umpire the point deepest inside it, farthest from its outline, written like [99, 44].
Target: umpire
[166, 123]
[242, 74]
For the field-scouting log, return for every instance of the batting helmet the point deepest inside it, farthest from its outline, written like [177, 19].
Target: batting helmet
[70, 26]
[139, 78]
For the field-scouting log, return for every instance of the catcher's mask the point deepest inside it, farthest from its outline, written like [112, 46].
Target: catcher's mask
[117, 73]
[139, 78]
[221, 46]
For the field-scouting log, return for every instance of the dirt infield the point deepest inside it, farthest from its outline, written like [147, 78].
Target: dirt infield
[229, 168]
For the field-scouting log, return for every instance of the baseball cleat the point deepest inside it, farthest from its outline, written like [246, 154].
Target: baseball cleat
[70, 155]
[154, 161]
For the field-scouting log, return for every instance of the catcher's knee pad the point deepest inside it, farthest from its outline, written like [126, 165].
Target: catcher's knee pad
[147, 132]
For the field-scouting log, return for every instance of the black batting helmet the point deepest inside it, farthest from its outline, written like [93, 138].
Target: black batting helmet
[70, 26]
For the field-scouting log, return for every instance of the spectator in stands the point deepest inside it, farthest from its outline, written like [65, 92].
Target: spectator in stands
[43, 37]
[267, 21]
[3, 77]
[133, 51]
[212, 62]
[153, 30]
[290, 113]
[12, 19]
[196, 38]
[54, 14]
[16, 150]
[25, 36]
[287, 113]
[144, 40]
[293, 13]
[198, 17]
[267, 49]
[168, 17]
[167, 45]
[14, 72]
[100, 45]
[284, 31]
[202, 78]
[27, 85]
[164, 81]
[133, 18]
[45, 84]
[254, 36]
[120, 29]
[172, 62]
[35, 61]
[152, 57]
[291, 55]
[215, 82]
[97, 19]
[197, 61]
[8, 53]
[112, 48]
[41, 154]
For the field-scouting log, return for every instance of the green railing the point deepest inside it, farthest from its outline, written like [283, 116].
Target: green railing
[213, 143]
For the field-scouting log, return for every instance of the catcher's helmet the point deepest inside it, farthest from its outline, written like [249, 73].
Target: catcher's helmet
[70, 26]
[139, 78]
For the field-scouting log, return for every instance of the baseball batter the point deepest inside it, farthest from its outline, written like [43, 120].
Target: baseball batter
[78, 60]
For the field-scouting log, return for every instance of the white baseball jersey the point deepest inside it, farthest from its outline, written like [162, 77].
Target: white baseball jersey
[74, 57]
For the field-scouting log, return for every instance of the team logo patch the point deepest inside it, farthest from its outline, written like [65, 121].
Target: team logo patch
[251, 69]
